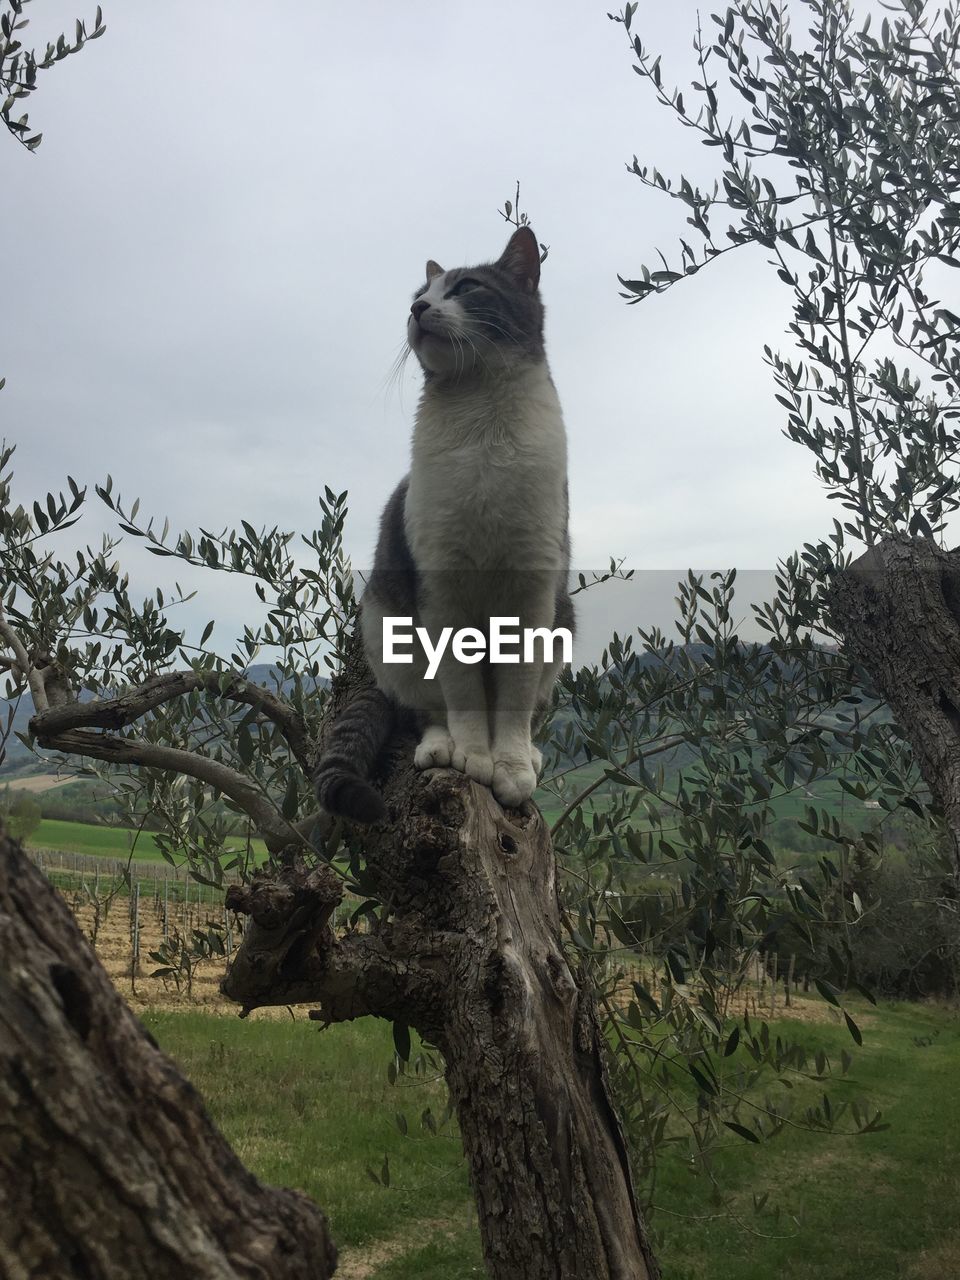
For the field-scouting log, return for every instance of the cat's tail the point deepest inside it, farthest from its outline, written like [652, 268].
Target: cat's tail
[355, 741]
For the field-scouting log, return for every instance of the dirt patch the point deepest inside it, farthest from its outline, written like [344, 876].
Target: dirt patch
[135, 981]
[362, 1264]
[39, 782]
[802, 1008]
[938, 1263]
[749, 999]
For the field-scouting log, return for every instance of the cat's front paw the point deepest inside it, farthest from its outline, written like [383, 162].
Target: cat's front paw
[435, 750]
[476, 763]
[513, 782]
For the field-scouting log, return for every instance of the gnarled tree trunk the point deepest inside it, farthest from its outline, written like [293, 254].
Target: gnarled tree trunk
[468, 950]
[470, 955]
[110, 1167]
[898, 611]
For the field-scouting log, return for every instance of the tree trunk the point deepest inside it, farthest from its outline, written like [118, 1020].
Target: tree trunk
[467, 949]
[525, 1068]
[898, 611]
[469, 953]
[110, 1167]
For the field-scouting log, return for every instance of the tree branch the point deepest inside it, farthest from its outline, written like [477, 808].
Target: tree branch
[31, 673]
[275, 829]
[134, 703]
[289, 953]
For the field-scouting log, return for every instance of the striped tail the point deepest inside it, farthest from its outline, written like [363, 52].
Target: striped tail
[355, 741]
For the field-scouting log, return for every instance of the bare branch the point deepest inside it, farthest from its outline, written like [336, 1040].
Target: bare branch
[134, 703]
[276, 831]
[32, 673]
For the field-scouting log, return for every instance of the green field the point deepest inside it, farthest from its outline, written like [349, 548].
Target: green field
[823, 794]
[313, 1109]
[105, 842]
[116, 842]
[884, 1205]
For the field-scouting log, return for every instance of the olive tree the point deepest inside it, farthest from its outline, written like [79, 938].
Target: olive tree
[842, 163]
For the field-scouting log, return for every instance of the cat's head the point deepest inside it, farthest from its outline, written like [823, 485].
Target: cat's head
[480, 319]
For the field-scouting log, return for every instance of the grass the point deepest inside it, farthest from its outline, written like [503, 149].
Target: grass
[105, 842]
[313, 1109]
[885, 1205]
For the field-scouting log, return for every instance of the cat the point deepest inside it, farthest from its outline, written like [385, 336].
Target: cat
[478, 529]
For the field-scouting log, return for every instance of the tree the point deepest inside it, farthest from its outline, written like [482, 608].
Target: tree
[21, 814]
[845, 169]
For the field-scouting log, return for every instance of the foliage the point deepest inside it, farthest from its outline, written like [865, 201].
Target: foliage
[20, 813]
[673, 891]
[19, 66]
[845, 171]
[80, 631]
[908, 941]
[180, 956]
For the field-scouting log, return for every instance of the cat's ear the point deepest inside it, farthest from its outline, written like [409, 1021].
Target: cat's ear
[433, 269]
[521, 258]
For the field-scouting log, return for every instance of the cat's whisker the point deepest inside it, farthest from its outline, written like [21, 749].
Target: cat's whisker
[394, 374]
[488, 321]
[496, 347]
[477, 358]
[461, 352]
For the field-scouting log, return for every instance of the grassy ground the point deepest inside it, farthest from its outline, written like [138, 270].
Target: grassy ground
[313, 1109]
[885, 1205]
[105, 842]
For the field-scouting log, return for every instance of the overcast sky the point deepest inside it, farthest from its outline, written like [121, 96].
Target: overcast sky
[208, 265]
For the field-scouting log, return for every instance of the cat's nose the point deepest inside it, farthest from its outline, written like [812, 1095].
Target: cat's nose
[418, 308]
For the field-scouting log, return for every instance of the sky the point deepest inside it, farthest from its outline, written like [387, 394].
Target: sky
[208, 265]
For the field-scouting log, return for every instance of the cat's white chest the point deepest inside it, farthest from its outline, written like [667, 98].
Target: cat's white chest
[488, 479]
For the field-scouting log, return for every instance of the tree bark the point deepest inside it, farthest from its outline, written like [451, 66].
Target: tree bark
[110, 1167]
[897, 609]
[468, 951]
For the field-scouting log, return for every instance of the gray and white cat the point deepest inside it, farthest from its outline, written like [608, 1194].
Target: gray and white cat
[477, 530]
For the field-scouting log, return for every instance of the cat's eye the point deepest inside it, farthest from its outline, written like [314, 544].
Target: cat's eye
[463, 286]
